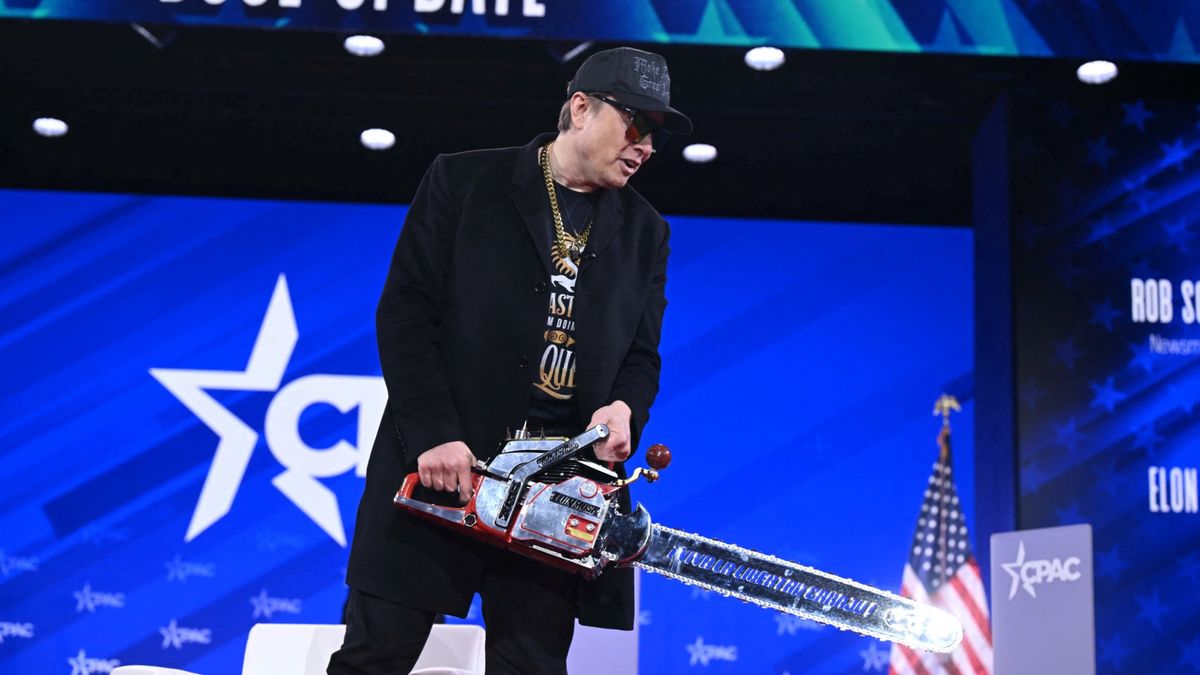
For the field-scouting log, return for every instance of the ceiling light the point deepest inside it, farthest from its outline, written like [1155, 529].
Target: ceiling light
[764, 58]
[1096, 72]
[50, 127]
[363, 45]
[700, 153]
[377, 139]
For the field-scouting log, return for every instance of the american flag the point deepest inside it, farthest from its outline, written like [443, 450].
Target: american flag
[941, 571]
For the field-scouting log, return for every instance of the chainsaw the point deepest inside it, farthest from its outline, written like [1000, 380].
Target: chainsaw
[539, 497]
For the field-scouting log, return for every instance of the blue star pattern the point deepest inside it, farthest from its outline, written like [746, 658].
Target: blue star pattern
[1142, 356]
[1185, 397]
[1189, 566]
[1114, 652]
[1136, 115]
[1068, 436]
[1099, 152]
[1142, 269]
[1031, 394]
[1138, 193]
[1190, 653]
[1110, 564]
[1147, 439]
[1151, 609]
[1179, 234]
[1119, 205]
[1069, 515]
[1067, 353]
[1174, 154]
[1103, 313]
[1107, 395]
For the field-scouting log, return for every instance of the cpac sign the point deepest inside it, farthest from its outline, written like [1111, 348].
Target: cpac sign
[1029, 573]
[302, 464]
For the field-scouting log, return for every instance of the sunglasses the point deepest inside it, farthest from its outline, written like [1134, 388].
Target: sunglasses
[639, 124]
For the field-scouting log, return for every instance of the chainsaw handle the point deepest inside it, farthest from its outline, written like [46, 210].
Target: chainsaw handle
[411, 481]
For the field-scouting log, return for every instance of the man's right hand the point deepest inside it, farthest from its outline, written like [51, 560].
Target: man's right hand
[447, 467]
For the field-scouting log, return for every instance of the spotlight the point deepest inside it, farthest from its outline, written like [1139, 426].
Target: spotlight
[700, 153]
[764, 58]
[1096, 72]
[363, 45]
[377, 139]
[50, 127]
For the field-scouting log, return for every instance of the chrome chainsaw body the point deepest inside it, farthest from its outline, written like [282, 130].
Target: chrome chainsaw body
[536, 497]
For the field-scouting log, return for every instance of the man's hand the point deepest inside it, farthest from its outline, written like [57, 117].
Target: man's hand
[448, 467]
[615, 448]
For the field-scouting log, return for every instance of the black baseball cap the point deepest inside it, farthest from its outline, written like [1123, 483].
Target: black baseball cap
[636, 78]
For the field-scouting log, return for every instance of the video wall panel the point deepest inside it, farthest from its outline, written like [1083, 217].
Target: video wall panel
[147, 340]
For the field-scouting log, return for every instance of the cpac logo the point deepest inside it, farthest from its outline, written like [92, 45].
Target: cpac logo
[790, 624]
[82, 665]
[303, 465]
[11, 630]
[1029, 573]
[88, 600]
[265, 606]
[178, 570]
[702, 653]
[177, 636]
[10, 564]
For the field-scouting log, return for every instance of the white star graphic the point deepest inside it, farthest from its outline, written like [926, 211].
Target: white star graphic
[78, 663]
[264, 372]
[170, 635]
[1014, 569]
[698, 653]
[262, 604]
[84, 599]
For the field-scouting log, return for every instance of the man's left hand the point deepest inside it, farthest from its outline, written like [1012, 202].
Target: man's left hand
[614, 448]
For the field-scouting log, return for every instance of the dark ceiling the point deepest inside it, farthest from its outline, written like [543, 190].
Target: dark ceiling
[255, 113]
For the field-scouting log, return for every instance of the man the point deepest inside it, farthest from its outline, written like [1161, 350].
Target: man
[527, 287]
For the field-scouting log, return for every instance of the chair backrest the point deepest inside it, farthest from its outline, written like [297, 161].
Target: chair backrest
[453, 646]
[304, 649]
[299, 649]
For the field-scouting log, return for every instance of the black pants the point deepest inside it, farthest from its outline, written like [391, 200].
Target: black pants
[528, 611]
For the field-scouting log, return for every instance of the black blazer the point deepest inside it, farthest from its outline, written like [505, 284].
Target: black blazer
[460, 331]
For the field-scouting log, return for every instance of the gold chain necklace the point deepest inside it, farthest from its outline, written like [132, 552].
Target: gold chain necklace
[574, 251]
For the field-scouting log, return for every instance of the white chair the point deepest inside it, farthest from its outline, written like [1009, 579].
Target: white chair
[304, 649]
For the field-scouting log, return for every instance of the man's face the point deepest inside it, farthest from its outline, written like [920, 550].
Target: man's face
[610, 153]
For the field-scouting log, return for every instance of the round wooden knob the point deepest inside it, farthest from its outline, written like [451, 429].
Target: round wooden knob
[658, 456]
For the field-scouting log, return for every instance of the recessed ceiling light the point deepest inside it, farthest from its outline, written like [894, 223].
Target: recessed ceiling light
[700, 153]
[1096, 72]
[377, 139]
[363, 45]
[50, 127]
[764, 58]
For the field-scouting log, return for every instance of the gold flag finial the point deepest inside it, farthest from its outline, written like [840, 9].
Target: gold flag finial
[945, 405]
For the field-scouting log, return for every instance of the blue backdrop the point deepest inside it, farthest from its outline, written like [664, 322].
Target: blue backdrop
[1109, 375]
[801, 364]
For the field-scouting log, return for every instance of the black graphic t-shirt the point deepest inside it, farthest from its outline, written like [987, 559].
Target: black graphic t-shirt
[552, 406]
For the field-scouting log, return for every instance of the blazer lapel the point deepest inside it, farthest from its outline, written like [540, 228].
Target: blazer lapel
[532, 202]
[608, 222]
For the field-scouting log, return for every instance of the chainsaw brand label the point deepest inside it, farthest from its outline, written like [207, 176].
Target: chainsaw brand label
[575, 504]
